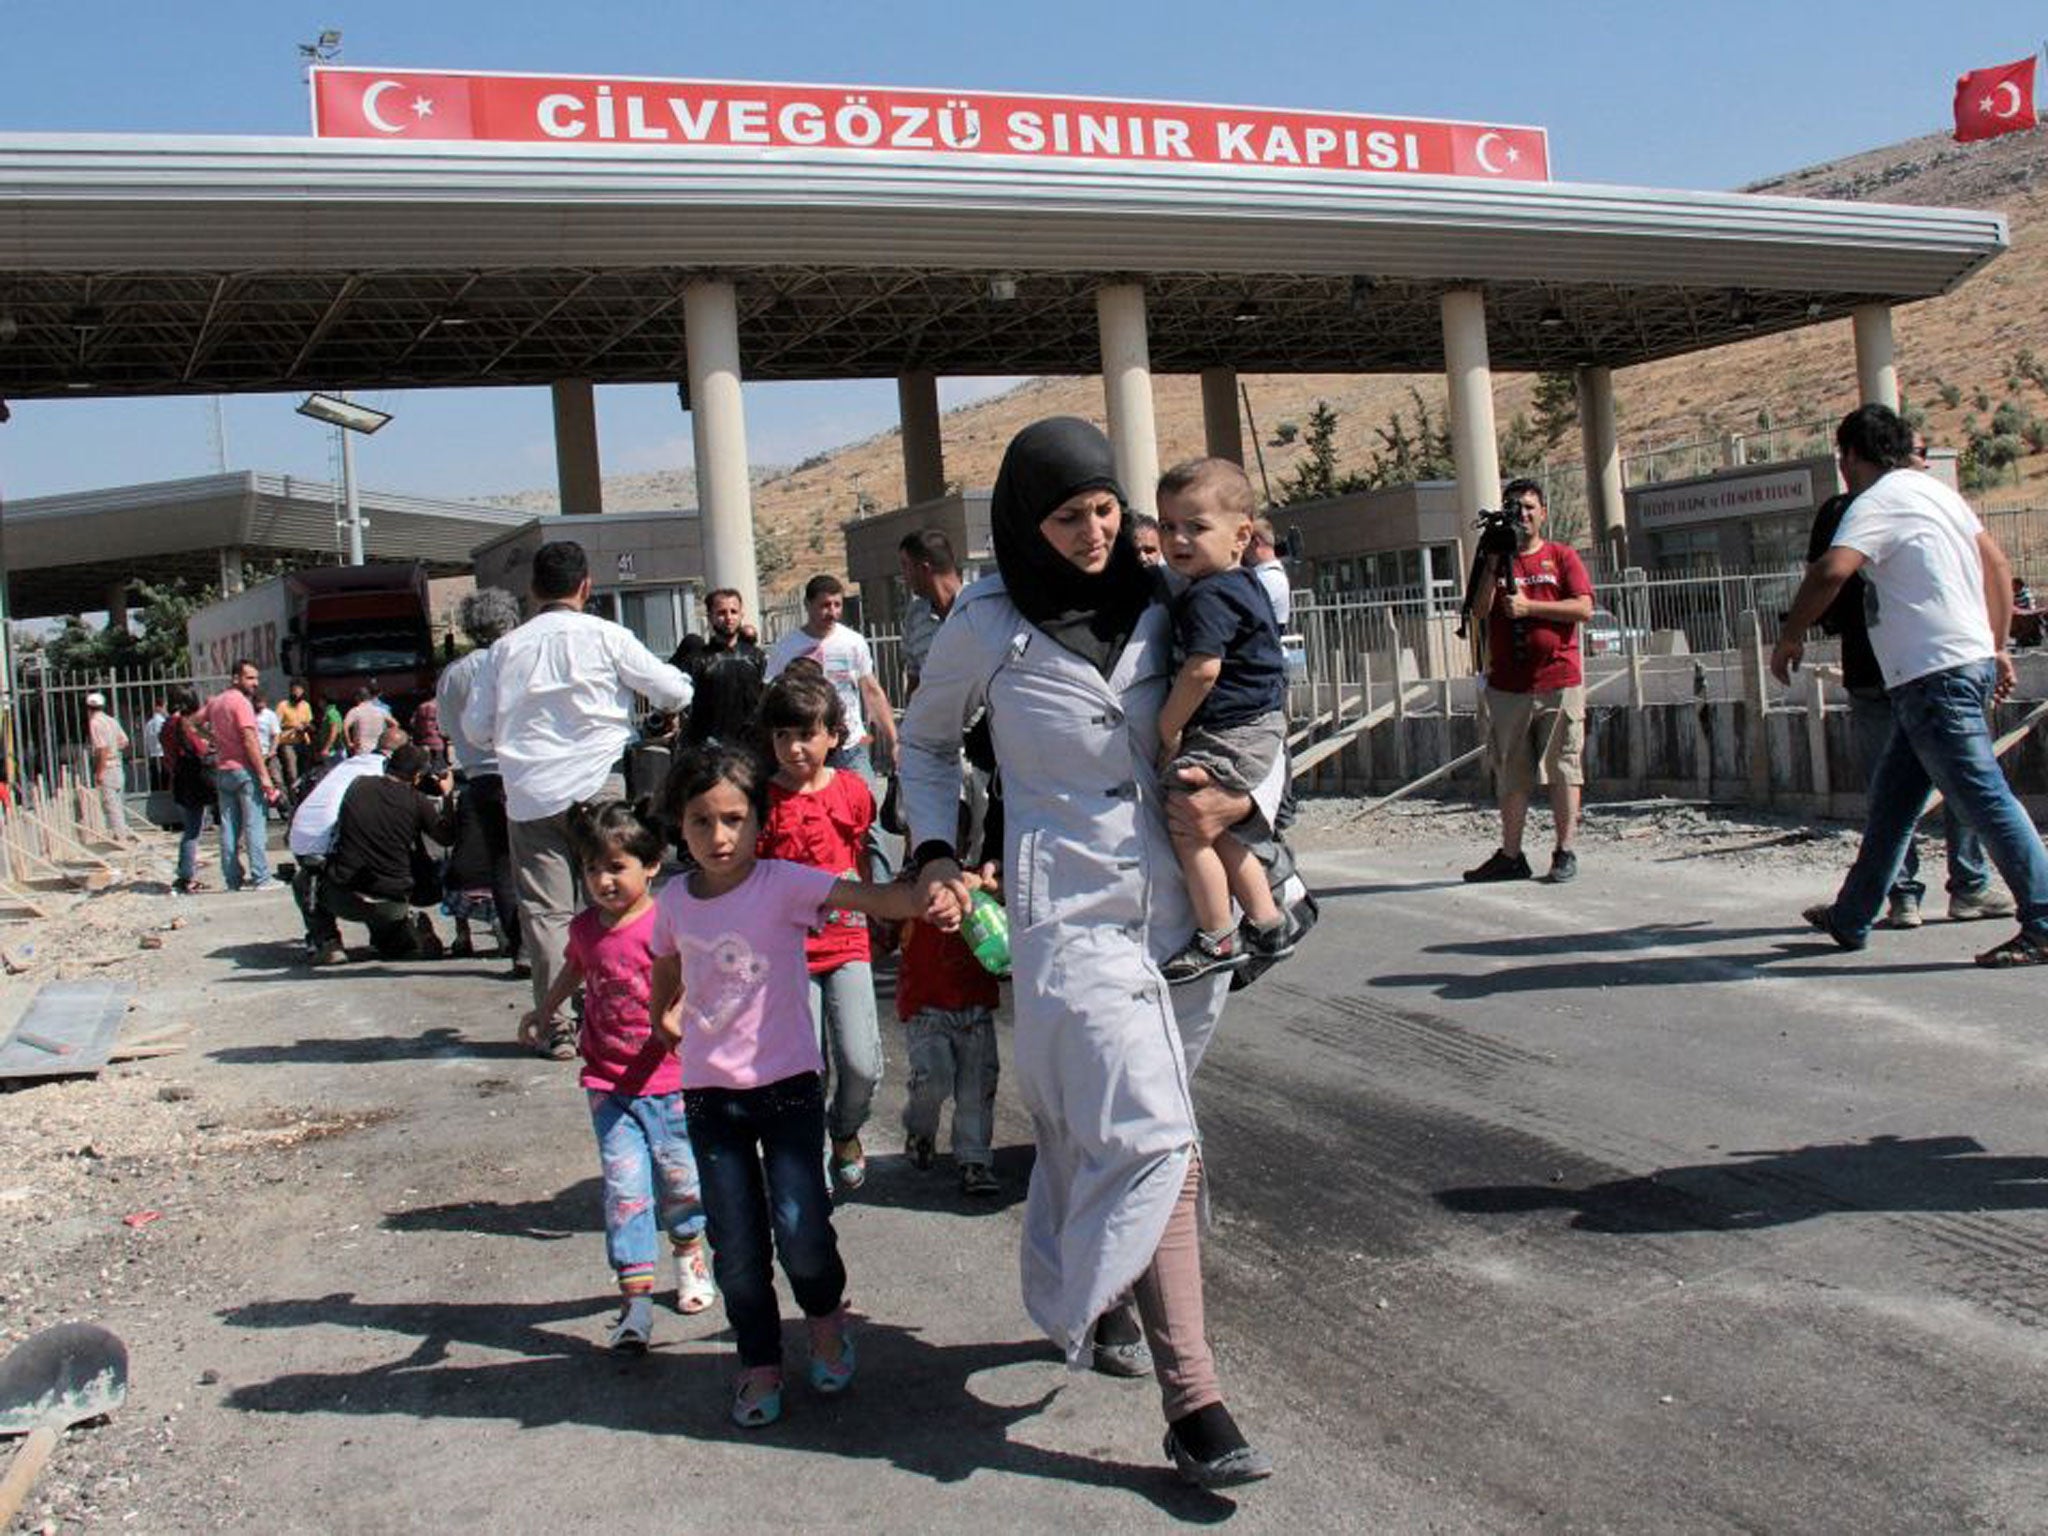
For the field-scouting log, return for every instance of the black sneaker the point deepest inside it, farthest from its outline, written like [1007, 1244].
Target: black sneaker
[1500, 867]
[979, 1179]
[1299, 918]
[1203, 955]
[1564, 866]
[919, 1150]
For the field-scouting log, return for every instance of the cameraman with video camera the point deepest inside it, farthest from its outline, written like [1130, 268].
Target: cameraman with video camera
[1535, 597]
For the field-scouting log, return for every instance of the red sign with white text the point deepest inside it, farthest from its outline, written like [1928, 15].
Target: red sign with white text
[356, 103]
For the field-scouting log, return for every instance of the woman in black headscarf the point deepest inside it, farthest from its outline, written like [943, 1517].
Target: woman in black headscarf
[1072, 658]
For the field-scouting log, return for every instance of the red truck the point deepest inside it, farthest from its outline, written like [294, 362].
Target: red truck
[337, 626]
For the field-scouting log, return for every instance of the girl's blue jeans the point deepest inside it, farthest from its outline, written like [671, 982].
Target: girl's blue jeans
[761, 1155]
[650, 1180]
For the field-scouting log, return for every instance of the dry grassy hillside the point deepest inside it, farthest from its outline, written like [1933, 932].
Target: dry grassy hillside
[1962, 347]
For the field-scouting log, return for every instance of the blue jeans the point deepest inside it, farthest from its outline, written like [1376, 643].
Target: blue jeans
[1942, 739]
[761, 1157]
[650, 1180]
[953, 1055]
[194, 822]
[240, 808]
[850, 1039]
[1969, 872]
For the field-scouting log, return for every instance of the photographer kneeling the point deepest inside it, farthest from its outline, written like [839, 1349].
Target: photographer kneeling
[1535, 685]
[378, 860]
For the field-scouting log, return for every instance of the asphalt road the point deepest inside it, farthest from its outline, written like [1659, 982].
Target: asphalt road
[1623, 1206]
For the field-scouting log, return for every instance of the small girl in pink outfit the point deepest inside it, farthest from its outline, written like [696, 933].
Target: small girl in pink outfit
[629, 1072]
[732, 988]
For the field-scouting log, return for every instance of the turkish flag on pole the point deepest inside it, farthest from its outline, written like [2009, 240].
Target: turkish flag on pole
[1994, 101]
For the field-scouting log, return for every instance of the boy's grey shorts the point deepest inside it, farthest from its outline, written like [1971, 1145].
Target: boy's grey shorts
[1237, 757]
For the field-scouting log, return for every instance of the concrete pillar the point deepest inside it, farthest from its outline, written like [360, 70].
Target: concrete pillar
[117, 606]
[1474, 448]
[1127, 391]
[924, 452]
[718, 426]
[1877, 371]
[578, 476]
[1222, 431]
[1601, 447]
[230, 572]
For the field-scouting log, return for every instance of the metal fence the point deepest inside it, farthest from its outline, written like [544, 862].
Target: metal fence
[47, 717]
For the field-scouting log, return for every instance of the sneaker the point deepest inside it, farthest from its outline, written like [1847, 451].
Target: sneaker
[1822, 918]
[849, 1164]
[1271, 945]
[694, 1288]
[1501, 866]
[979, 1179]
[1301, 917]
[919, 1150]
[263, 885]
[633, 1328]
[1902, 911]
[1564, 867]
[1203, 955]
[328, 954]
[1969, 906]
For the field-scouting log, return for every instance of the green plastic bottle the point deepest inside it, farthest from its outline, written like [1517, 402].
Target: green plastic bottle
[987, 932]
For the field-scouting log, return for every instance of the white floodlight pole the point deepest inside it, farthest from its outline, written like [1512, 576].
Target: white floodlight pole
[352, 511]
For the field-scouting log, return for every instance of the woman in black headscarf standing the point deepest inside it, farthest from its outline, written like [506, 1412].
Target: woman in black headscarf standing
[1072, 658]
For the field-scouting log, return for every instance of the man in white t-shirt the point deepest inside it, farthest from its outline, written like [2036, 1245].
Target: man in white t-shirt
[849, 667]
[1938, 598]
[1262, 559]
[107, 742]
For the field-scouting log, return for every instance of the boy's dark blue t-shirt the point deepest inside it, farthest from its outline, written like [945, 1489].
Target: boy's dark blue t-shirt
[1229, 615]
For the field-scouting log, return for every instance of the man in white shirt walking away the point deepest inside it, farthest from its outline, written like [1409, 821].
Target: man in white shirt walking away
[554, 703]
[1939, 602]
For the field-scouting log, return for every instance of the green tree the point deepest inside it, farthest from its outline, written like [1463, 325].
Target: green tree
[1314, 476]
[1556, 406]
[1409, 454]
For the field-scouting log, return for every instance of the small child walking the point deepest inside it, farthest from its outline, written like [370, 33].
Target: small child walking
[630, 1072]
[1226, 713]
[947, 1002]
[730, 983]
[820, 816]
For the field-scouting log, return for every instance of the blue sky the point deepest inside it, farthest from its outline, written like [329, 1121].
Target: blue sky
[1642, 93]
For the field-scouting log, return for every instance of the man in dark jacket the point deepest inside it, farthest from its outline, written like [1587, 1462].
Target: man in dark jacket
[370, 874]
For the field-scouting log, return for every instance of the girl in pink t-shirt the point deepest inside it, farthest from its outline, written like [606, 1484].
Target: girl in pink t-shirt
[630, 1071]
[731, 988]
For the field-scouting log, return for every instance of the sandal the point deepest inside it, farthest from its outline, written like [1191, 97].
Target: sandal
[757, 1397]
[849, 1163]
[2023, 948]
[694, 1288]
[559, 1043]
[831, 1377]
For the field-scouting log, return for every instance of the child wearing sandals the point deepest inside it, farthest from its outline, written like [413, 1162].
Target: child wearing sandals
[730, 987]
[630, 1072]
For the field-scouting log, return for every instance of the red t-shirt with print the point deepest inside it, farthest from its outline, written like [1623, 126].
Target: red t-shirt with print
[827, 830]
[1550, 647]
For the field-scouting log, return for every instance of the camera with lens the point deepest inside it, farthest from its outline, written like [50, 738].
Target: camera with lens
[1501, 529]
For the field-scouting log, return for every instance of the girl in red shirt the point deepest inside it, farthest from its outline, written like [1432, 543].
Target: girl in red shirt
[820, 816]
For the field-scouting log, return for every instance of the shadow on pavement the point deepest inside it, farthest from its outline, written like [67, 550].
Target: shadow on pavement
[575, 1210]
[895, 1185]
[352, 1050]
[1647, 970]
[1644, 936]
[1390, 888]
[934, 1425]
[1774, 1188]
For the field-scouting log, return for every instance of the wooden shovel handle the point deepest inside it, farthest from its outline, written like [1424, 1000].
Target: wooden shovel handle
[26, 1467]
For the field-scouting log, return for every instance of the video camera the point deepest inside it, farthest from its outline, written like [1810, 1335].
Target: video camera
[1501, 529]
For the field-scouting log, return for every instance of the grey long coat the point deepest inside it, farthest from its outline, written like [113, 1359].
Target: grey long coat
[1104, 1049]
